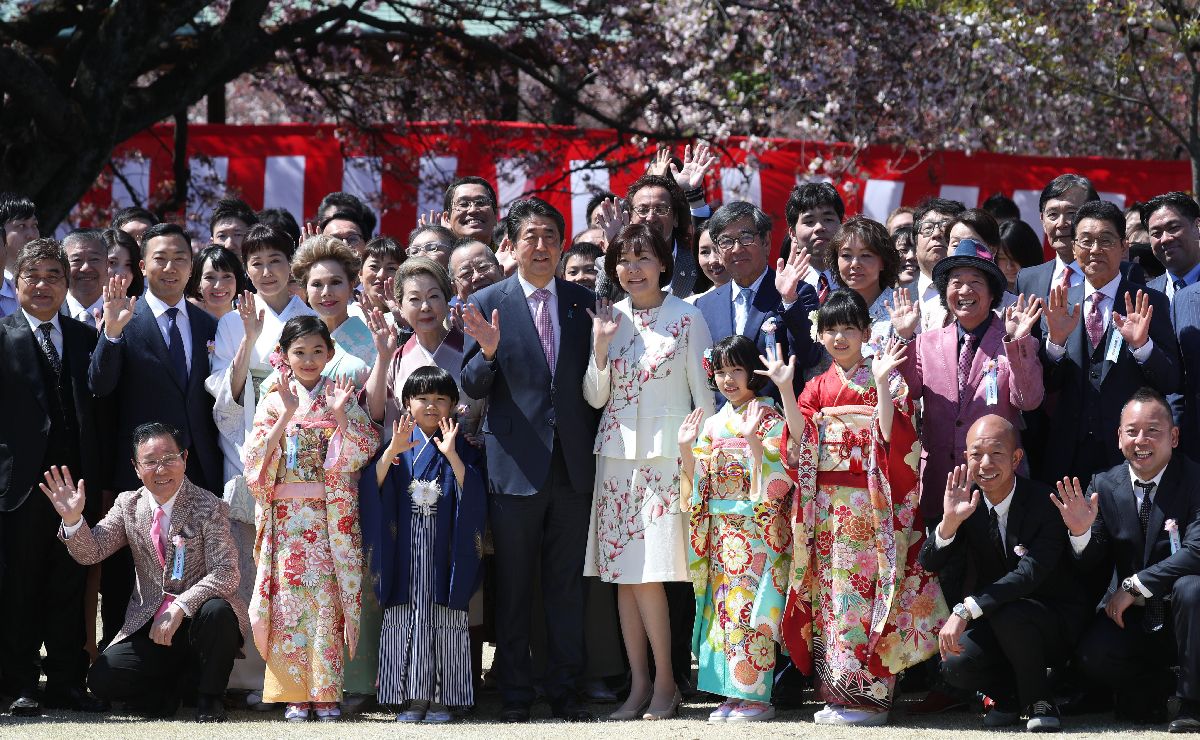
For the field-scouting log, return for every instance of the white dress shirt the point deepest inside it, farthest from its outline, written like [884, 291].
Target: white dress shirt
[1080, 542]
[1001, 510]
[1192, 276]
[79, 312]
[1109, 290]
[551, 306]
[8, 298]
[56, 335]
[933, 313]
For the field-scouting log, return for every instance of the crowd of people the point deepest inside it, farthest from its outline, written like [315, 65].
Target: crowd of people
[306, 469]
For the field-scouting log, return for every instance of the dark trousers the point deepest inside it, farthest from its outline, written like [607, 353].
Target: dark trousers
[200, 655]
[681, 610]
[546, 531]
[1135, 662]
[1005, 654]
[42, 593]
[117, 579]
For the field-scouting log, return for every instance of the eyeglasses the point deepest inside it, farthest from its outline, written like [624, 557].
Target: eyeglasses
[417, 250]
[351, 238]
[1104, 243]
[467, 204]
[34, 278]
[658, 209]
[165, 461]
[482, 267]
[927, 228]
[727, 243]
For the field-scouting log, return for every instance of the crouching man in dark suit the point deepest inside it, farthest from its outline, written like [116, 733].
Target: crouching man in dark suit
[1142, 519]
[1026, 606]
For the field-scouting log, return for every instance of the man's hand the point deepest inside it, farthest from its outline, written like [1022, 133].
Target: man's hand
[1078, 510]
[789, 275]
[1116, 606]
[1061, 316]
[67, 499]
[118, 307]
[1135, 324]
[948, 638]
[486, 333]
[959, 503]
[165, 625]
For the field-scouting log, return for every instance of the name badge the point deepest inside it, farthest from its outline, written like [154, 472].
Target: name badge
[177, 568]
[1114, 346]
[292, 449]
[991, 389]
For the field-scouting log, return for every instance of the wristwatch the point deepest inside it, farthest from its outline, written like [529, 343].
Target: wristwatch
[1129, 587]
[962, 612]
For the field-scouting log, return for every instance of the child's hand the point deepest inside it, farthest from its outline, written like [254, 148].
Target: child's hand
[690, 428]
[778, 371]
[343, 391]
[753, 417]
[887, 360]
[445, 443]
[402, 440]
[287, 396]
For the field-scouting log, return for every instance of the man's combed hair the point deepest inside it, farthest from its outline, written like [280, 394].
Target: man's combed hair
[45, 248]
[448, 197]
[810, 196]
[15, 206]
[164, 229]
[731, 212]
[523, 210]
[153, 430]
[936, 205]
[1181, 203]
[429, 380]
[133, 213]
[1146, 394]
[1101, 210]
[232, 208]
[1063, 184]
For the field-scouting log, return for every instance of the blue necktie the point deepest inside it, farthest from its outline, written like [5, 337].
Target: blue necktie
[175, 348]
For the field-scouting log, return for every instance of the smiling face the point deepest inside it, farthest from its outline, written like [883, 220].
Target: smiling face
[328, 291]
[473, 268]
[269, 272]
[89, 269]
[1057, 216]
[427, 409]
[968, 296]
[167, 265]
[733, 383]
[307, 357]
[959, 232]
[42, 288]
[844, 344]
[1175, 240]
[859, 268]
[537, 249]
[374, 274]
[638, 274]
[17, 233]
[423, 305]
[1009, 266]
[161, 466]
[813, 230]
[993, 456]
[745, 262]
[217, 286]
[1098, 248]
[1147, 436]
[652, 206]
[472, 212]
[709, 258]
[909, 268]
[429, 244]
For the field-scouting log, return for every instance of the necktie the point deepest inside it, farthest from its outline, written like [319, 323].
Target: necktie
[48, 348]
[1156, 609]
[175, 347]
[822, 288]
[545, 327]
[1094, 321]
[160, 549]
[743, 302]
[1065, 280]
[88, 318]
[1179, 284]
[965, 356]
[994, 532]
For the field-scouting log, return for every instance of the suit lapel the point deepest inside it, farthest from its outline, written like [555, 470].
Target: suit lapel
[945, 342]
[684, 277]
[1163, 493]
[722, 298]
[24, 348]
[766, 302]
[1126, 505]
[571, 331]
[143, 322]
[1118, 307]
[989, 347]
[200, 363]
[1016, 515]
[1077, 343]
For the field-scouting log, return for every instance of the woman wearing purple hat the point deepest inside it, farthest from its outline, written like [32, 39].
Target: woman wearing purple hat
[984, 362]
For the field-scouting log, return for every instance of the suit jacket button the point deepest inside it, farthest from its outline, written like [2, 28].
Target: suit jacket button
[553, 421]
[1095, 375]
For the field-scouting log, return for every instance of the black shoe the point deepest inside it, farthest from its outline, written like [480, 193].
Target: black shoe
[1142, 709]
[568, 709]
[153, 708]
[683, 682]
[514, 713]
[76, 700]
[210, 708]
[25, 706]
[1188, 719]
[1043, 717]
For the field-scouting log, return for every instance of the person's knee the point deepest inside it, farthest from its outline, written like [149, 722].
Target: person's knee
[100, 679]
[960, 671]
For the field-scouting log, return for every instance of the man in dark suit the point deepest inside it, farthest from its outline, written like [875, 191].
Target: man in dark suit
[1173, 221]
[1140, 521]
[756, 293]
[51, 420]
[154, 358]
[1057, 205]
[1185, 311]
[1103, 339]
[540, 433]
[1025, 604]
[814, 212]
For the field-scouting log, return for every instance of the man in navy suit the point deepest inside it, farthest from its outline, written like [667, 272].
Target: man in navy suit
[153, 359]
[540, 433]
[1185, 310]
[741, 231]
[1173, 220]
[1057, 205]
[1103, 340]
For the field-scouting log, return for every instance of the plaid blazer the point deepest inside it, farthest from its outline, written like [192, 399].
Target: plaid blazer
[199, 521]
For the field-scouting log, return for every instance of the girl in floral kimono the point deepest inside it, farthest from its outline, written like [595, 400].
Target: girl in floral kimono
[860, 609]
[424, 509]
[740, 545]
[310, 438]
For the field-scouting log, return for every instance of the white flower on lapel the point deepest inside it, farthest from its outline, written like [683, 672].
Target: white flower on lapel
[1020, 551]
[425, 494]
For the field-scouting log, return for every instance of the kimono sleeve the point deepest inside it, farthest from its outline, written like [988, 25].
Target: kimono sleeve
[379, 518]
[261, 465]
[351, 449]
[470, 519]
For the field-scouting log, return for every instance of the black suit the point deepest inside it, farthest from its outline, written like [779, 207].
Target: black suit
[1032, 604]
[50, 420]
[1134, 661]
[1085, 391]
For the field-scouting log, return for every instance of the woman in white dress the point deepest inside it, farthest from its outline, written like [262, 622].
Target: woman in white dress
[646, 372]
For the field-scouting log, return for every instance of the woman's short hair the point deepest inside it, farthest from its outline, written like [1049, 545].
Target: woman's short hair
[222, 260]
[429, 380]
[872, 235]
[736, 351]
[264, 238]
[844, 307]
[319, 249]
[414, 266]
[1021, 242]
[639, 238]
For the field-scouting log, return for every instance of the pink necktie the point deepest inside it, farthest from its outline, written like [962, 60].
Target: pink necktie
[160, 549]
[1094, 322]
[1065, 280]
[545, 327]
[965, 356]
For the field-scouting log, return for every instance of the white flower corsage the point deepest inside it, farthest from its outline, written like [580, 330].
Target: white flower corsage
[812, 329]
[1020, 551]
[989, 366]
[425, 495]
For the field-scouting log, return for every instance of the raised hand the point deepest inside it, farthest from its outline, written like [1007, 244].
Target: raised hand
[433, 218]
[1078, 510]
[252, 320]
[64, 495]
[287, 396]
[343, 391]
[445, 443]
[789, 274]
[386, 342]
[310, 230]
[1135, 324]
[781, 373]
[959, 503]
[752, 418]
[1061, 316]
[612, 218]
[402, 440]
[889, 358]
[905, 313]
[696, 164]
[689, 430]
[1022, 316]
[118, 307]
[660, 162]
[486, 333]
[506, 255]
[605, 322]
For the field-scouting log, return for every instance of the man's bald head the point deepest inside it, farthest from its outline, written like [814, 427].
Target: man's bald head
[995, 427]
[993, 455]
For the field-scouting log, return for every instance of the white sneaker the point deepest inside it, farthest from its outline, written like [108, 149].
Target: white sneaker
[858, 717]
[823, 716]
[756, 713]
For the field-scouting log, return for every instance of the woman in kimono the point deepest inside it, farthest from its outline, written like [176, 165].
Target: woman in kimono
[741, 540]
[646, 373]
[310, 439]
[860, 608]
[326, 269]
[424, 508]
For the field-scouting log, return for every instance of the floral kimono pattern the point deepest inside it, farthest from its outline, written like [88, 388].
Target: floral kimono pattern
[308, 546]
[739, 555]
[860, 608]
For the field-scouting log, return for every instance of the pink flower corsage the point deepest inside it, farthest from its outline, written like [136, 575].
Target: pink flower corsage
[706, 363]
[990, 366]
[212, 346]
[276, 359]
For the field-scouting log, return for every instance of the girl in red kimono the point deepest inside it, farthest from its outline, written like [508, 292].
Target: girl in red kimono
[860, 609]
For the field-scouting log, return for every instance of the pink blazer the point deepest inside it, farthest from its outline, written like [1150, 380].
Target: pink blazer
[931, 371]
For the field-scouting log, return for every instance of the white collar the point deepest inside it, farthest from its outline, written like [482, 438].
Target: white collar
[753, 286]
[924, 284]
[167, 507]
[158, 306]
[528, 288]
[1155, 480]
[1059, 266]
[1002, 507]
[7, 288]
[75, 307]
[35, 322]
[1109, 289]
